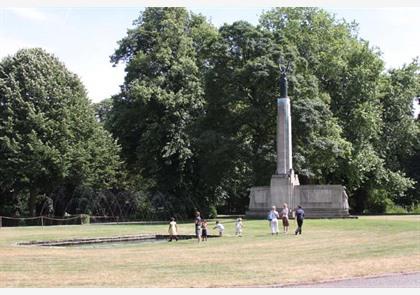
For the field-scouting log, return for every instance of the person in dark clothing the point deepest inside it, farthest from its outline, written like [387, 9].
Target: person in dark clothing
[204, 226]
[300, 214]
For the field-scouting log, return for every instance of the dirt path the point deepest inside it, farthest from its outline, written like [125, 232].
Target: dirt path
[408, 280]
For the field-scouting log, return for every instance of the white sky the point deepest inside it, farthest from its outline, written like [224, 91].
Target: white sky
[83, 34]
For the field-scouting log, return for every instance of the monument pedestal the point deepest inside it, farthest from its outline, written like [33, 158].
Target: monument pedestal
[318, 201]
[281, 191]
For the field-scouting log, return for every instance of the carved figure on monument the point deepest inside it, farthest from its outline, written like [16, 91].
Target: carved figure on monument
[345, 199]
[283, 77]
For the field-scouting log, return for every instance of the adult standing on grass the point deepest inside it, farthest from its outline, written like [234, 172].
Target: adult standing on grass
[285, 218]
[300, 214]
[198, 223]
[273, 217]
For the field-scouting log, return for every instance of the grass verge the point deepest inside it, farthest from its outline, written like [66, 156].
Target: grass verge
[327, 249]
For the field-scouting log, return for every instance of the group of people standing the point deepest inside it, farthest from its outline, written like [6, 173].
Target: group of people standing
[274, 216]
[201, 228]
[201, 225]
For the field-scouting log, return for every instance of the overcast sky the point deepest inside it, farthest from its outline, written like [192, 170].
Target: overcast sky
[84, 38]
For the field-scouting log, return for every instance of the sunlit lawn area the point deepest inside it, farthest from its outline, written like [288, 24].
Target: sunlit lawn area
[327, 249]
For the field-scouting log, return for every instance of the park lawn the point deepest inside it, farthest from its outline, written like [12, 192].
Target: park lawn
[328, 249]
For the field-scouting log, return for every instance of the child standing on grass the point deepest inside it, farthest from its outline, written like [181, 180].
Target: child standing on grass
[204, 226]
[238, 227]
[173, 230]
[219, 227]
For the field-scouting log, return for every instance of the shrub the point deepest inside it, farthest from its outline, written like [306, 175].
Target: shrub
[212, 212]
[378, 201]
[394, 209]
[414, 209]
[84, 219]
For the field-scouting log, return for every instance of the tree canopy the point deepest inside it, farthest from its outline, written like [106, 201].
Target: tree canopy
[342, 106]
[49, 138]
[195, 118]
[342, 102]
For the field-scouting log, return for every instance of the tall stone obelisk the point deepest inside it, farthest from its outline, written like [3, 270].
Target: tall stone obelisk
[284, 130]
[283, 181]
[318, 200]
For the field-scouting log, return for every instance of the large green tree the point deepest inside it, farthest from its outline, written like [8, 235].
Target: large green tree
[241, 89]
[49, 138]
[400, 139]
[237, 136]
[347, 74]
[196, 115]
[154, 117]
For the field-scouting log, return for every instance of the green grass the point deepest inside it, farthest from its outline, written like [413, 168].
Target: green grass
[328, 249]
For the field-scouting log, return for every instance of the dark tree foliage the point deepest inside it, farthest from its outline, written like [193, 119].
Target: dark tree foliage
[155, 115]
[209, 149]
[400, 138]
[196, 119]
[347, 74]
[49, 138]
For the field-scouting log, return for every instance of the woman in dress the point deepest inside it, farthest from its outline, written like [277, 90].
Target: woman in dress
[173, 230]
[285, 218]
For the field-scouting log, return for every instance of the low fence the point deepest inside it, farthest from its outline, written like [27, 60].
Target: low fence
[6, 221]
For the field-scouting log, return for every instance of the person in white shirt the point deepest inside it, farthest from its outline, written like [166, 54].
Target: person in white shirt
[273, 217]
[238, 227]
[219, 227]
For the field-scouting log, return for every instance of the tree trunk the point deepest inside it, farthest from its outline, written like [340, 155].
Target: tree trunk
[32, 203]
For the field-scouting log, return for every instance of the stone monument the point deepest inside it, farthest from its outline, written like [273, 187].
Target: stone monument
[318, 201]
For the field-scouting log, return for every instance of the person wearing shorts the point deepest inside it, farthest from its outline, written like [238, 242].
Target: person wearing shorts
[204, 232]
